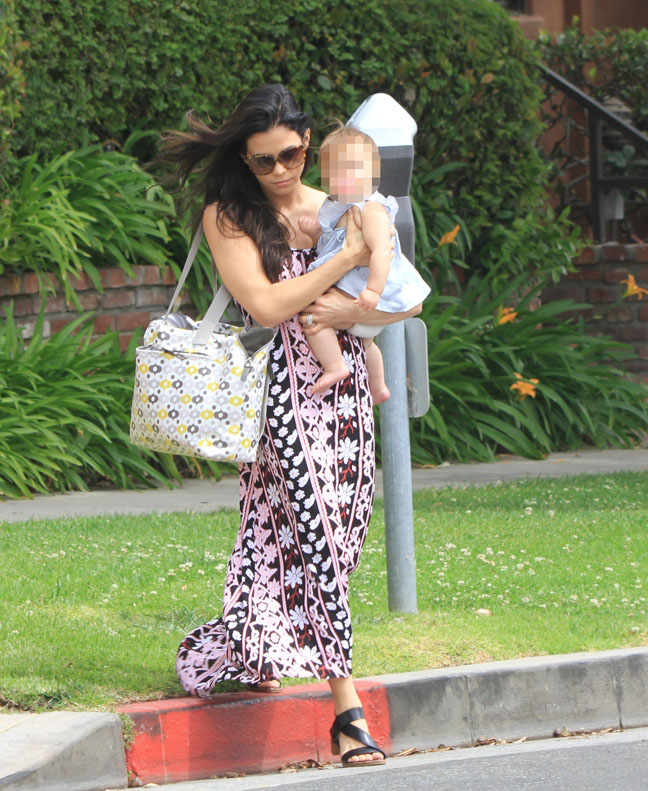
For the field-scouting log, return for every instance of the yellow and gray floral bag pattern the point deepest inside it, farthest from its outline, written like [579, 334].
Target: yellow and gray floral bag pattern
[201, 399]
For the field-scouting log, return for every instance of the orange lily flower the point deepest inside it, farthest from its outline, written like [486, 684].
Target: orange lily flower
[633, 289]
[525, 388]
[506, 314]
[449, 236]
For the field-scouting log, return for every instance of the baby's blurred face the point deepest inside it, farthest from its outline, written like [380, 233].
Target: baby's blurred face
[350, 170]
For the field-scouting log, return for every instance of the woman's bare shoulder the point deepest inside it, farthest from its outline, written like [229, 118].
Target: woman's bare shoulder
[218, 225]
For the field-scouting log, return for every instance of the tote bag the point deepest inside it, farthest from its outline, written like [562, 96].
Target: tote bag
[201, 387]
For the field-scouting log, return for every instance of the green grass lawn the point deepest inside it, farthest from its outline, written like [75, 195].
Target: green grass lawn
[93, 608]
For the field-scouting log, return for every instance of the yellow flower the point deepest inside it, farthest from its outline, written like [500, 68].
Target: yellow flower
[450, 236]
[506, 314]
[525, 388]
[633, 289]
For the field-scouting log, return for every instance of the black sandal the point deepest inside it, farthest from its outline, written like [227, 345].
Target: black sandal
[342, 724]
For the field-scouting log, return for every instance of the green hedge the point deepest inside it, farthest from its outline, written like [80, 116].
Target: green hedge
[463, 69]
[11, 79]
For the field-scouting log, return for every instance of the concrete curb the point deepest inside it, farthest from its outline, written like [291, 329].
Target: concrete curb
[190, 739]
[61, 751]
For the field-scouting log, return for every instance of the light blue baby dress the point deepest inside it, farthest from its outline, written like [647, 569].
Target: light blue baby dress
[404, 288]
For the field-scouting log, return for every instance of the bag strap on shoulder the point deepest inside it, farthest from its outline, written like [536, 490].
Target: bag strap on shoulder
[219, 303]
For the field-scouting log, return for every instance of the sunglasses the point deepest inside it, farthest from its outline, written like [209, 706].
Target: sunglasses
[262, 164]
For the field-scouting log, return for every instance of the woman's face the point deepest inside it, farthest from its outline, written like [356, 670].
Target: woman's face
[282, 180]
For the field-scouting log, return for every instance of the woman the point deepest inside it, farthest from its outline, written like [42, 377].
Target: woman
[306, 501]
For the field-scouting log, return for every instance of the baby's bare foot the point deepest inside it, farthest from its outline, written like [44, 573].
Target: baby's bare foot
[379, 395]
[329, 378]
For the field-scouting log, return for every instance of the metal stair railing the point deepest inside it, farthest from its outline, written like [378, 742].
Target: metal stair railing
[597, 114]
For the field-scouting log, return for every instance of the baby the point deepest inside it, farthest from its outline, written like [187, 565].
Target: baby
[350, 164]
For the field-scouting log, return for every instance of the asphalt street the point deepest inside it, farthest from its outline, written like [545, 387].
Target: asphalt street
[615, 761]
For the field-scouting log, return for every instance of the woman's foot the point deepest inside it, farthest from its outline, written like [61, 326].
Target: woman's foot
[347, 743]
[350, 738]
[330, 378]
[267, 687]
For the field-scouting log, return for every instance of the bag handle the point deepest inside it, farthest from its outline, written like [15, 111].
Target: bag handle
[219, 303]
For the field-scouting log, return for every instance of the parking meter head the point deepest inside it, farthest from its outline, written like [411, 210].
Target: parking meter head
[350, 164]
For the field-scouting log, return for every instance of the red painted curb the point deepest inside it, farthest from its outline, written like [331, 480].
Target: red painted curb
[193, 739]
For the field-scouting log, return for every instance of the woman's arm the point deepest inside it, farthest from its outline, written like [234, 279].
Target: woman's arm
[240, 267]
[340, 311]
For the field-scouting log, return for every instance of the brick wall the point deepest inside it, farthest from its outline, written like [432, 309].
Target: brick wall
[597, 280]
[125, 303]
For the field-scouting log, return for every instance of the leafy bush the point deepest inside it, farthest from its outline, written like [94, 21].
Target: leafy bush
[480, 359]
[463, 69]
[12, 84]
[81, 210]
[65, 410]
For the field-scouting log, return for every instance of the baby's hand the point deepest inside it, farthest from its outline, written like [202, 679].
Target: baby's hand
[367, 299]
[310, 227]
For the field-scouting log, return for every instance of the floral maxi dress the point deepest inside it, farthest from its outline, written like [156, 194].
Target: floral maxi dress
[305, 508]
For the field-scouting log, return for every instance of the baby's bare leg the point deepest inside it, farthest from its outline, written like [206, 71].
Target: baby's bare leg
[327, 350]
[376, 371]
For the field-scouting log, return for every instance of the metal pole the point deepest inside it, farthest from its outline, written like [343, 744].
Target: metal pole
[393, 130]
[596, 171]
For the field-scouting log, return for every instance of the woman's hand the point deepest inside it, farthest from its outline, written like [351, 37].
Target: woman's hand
[355, 247]
[340, 311]
[333, 309]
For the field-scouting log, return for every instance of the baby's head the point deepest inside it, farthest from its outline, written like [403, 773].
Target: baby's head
[350, 165]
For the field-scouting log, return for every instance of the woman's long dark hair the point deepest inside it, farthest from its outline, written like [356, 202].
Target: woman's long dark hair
[222, 176]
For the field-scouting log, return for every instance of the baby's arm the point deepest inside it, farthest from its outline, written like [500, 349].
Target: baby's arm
[376, 233]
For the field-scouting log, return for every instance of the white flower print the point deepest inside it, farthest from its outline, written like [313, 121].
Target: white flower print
[348, 450]
[293, 576]
[346, 406]
[298, 617]
[285, 536]
[345, 493]
[273, 495]
[311, 654]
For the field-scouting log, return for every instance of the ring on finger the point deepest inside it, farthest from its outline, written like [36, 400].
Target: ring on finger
[309, 320]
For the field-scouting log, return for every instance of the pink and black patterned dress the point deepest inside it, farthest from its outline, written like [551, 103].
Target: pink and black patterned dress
[305, 508]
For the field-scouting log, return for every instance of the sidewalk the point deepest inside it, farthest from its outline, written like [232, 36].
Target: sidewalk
[206, 495]
[189, 739]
